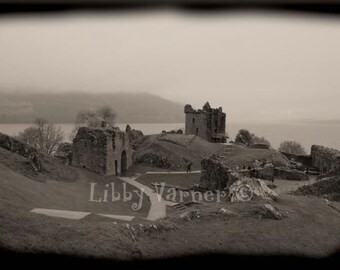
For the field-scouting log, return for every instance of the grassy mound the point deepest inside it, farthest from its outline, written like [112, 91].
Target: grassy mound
[328, 187]
[241, 156]
[51, 168]
[173, 151]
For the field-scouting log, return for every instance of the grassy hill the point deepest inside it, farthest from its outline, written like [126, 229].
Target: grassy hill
[311, 228]
[175, 150]
[172, 151]
[22, 230]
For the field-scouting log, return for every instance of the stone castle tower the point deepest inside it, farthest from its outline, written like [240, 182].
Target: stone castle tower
[207, 123]
[107, 151]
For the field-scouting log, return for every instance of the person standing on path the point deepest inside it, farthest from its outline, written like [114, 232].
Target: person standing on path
[189, 167]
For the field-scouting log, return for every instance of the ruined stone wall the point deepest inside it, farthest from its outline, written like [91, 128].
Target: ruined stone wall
[324, 158]
[90, 149]
[119, 143]
[266, 172]
[101, 150]
[206, 123]
[214, 175]
[196, 123]
[215, 123]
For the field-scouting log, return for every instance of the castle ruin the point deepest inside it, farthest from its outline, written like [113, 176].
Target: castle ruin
[107, 151]
[325, 158]
[207, 123]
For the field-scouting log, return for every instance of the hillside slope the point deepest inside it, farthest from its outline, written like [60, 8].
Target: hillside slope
[62, 108]
[244, 156]
[173, 151]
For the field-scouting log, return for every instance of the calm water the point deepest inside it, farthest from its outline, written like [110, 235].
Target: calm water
[307, 134]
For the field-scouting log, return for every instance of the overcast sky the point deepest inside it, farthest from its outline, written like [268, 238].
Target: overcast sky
[257, 66]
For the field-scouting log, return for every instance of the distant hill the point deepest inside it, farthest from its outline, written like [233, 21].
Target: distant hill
[62, 108]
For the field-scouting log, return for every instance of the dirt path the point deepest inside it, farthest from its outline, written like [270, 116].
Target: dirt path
[158, 205]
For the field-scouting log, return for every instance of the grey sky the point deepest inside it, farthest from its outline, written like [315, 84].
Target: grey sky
[257, 66]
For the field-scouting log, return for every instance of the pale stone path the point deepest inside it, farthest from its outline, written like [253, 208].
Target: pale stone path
[76, 215]
[120, 217]
[60, 213]
[158, 204]
[173, 172]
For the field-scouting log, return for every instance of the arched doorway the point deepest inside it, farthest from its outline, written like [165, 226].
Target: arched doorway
[123, 163]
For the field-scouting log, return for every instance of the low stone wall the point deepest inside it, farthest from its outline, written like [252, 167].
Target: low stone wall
[215, 175]
[260, 146]
[266, 172]
[154, 160]
[305, 160]
[324, 158]
[288, 174]
[20, 148]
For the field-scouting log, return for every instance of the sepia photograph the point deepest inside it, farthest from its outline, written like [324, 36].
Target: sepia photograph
[157, 134]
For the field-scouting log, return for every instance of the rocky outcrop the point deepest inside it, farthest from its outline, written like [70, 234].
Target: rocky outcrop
[154, 160]
[271, 212]
[305, 160]
[290, 174]
[190, 215]
[64, 153]
[324, 158]
[22, 149]
[247, 189]
[215, 175]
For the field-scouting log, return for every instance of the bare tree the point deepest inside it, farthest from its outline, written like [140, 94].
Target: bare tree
[292, 147]
[88, 118]
[95, 118]
[108, 114]
[43, 136]
[244, 136]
